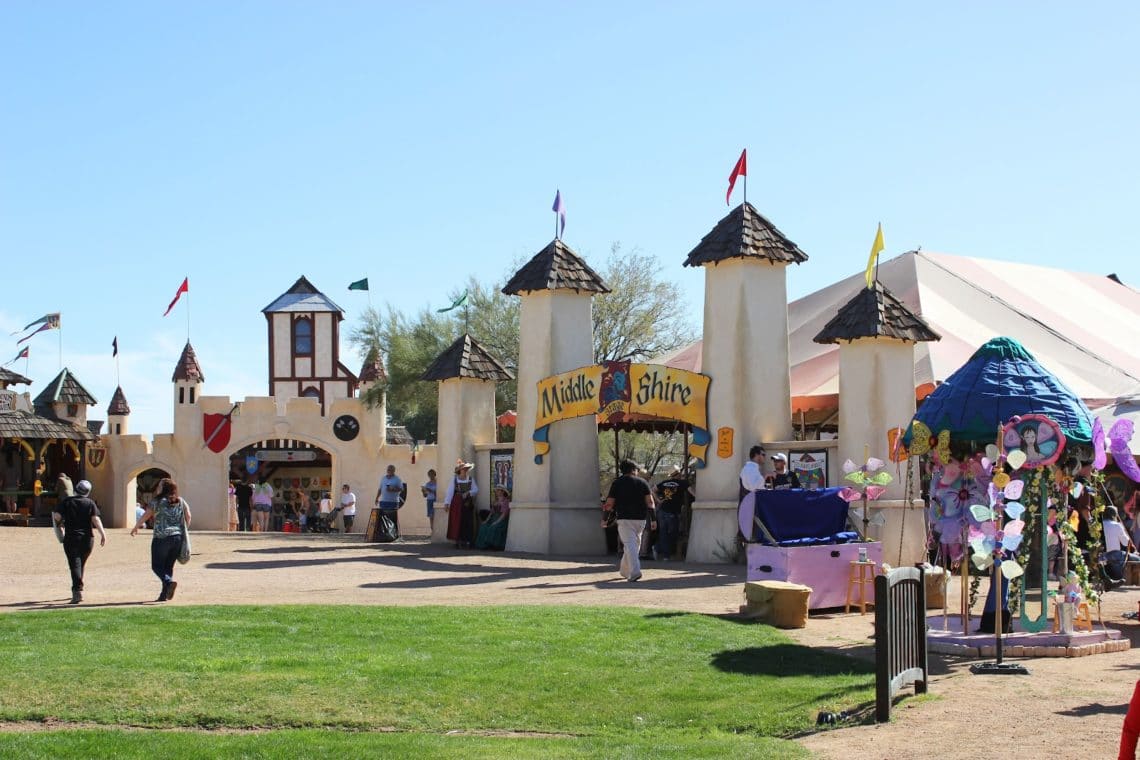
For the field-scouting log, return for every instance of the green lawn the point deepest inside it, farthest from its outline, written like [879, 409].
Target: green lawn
[429, 681]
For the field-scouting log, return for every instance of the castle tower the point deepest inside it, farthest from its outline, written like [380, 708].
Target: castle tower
[745, 353]
[304, 347]
[65, 399]
[877, 334]
[188, 380]
[117, 412]
[554, 508]
[467, 374]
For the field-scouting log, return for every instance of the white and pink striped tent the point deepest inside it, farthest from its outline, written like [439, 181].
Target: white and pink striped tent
[1081, 327]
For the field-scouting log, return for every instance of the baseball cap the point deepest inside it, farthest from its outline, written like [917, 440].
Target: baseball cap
[83, 487]
[780, 457]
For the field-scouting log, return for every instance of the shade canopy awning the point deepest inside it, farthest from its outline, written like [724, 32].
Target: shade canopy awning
[1002, 380]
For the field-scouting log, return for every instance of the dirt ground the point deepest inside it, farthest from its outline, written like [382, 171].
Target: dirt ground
[1065, 708]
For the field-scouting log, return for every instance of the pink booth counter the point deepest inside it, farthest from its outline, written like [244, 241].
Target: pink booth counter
[803, 537]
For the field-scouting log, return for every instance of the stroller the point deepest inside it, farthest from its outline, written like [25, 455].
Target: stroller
[324, 523]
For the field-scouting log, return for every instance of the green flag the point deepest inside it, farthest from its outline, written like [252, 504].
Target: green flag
[359, 285]
[456, 304]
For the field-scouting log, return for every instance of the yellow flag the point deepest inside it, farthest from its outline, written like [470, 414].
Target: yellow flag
[875, 248]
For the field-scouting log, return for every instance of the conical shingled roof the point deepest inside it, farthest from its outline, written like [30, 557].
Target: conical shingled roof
[302, 297]
[64, 389]
[745, 234]
[119, 403]
[875, 313]
[466, 358]
[373, 369]
[555, 267]
[8, 377]
[188, 368]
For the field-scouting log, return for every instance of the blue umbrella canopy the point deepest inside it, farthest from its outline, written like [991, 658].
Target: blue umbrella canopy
[999, 381]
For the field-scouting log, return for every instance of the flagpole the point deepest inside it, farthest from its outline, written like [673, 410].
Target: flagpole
[746, 187]
[61, 343]
[187, 315]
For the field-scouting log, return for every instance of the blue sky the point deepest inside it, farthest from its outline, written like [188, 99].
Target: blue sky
[244, 144]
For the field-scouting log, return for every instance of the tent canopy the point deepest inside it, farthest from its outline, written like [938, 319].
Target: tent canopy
[999, 381]
[1070, 321]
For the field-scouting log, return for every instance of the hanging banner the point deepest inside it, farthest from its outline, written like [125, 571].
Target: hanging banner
[621, 388]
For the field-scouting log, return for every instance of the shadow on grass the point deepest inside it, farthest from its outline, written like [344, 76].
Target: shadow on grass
[786, 660]
[64, 604]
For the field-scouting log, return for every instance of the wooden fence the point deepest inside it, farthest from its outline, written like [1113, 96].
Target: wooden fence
[900, 636]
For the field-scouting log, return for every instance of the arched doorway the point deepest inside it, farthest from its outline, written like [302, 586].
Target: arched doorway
[299, 472]
[142, 487]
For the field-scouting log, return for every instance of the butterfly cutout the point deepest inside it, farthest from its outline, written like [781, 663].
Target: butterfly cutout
[1100, 458]
[988, 539]
[923, 440]
[870, 476]
[1120, 435]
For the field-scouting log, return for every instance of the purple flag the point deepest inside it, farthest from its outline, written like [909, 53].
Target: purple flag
[560, 209]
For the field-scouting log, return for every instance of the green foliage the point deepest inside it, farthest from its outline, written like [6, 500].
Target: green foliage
[589, 682]
[643, 316]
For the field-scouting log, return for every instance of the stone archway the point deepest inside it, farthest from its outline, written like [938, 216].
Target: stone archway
[300, 470]
[121, 512]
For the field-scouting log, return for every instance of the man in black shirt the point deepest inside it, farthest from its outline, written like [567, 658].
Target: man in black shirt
[79, 517]
[781, 478]
[244, 493]
[631, 501]
[672, 495]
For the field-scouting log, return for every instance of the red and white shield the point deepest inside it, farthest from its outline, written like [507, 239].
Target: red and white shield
[216, 432]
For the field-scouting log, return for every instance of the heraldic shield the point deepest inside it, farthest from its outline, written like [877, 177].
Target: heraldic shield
[252, 463]
[216, 431]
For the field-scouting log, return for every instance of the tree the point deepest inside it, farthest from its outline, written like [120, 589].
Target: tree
[643, 316]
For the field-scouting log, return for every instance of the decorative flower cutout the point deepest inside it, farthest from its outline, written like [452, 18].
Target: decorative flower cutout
[870, 476]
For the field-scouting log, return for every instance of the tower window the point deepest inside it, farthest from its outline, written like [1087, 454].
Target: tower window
[303, 337]
[191, 394]
[311, 392]
[181, 394]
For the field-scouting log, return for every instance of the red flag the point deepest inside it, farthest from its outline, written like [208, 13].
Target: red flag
[740, 170]
[183, 288]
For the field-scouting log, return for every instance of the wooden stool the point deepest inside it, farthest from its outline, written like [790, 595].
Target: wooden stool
[1082, 618]
[860, 574]
[1132, 573]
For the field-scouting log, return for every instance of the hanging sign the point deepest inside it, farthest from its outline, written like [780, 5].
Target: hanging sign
[620, 388]
[287, 455]
[724, 438]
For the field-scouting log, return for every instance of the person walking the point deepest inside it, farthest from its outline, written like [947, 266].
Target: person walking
[630, 499]
[170, 513]
[347, 507]
[78, 516]
[388, 496]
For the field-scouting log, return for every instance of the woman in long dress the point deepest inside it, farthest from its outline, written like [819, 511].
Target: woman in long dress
[493, 533]
[460, 501]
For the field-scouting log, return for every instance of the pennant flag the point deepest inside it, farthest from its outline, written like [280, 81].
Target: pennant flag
[50, 322]
[876, 247]
[560, 209]
[39, 321]
[183, 288]
[22, 355]
[359, 285]
[115, 347]
[456, 304]
[740, 170]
